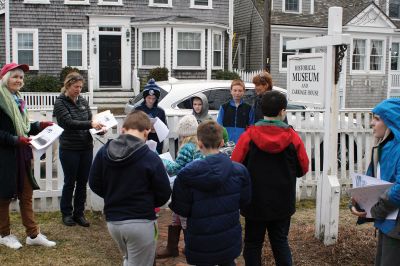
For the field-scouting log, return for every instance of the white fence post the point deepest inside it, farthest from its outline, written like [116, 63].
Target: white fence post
[330, 210]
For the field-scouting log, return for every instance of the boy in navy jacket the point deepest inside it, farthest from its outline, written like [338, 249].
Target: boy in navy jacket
[209, 193]
[132, 181]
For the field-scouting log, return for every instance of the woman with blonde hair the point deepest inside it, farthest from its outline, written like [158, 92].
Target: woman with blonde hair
[188, 151]
[16, 179]
[76, 148]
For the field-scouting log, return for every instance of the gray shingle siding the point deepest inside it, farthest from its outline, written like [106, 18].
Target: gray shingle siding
[51, 18]
[2, 41]
[248, 23]
[361, 90]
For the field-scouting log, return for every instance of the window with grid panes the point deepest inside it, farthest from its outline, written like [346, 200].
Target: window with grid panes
[74, 49]
[292, 5]
[151, 48]
[217, 50]
[189, 49]
[25, 48]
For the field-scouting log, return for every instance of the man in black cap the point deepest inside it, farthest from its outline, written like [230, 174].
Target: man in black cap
[151, 94]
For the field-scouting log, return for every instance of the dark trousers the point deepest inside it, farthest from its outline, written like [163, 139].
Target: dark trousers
[254, 239]
[387, 251]
[76, 167]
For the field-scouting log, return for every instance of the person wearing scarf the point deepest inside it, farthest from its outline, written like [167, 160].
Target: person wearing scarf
[16, 175]
[385, 165]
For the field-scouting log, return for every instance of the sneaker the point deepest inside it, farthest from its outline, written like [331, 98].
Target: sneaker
[10, 241]
[40, 240]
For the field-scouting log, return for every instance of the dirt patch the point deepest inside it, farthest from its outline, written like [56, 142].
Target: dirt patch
[94, 246]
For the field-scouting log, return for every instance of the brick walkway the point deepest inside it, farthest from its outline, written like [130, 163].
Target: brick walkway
[163, 221]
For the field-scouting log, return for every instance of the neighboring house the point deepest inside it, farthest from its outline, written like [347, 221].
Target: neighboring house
[371, 67]
[109, 40]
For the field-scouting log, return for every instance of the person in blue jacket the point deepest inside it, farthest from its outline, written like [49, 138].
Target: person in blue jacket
[236, 115]
[385, 165]
[209, 193]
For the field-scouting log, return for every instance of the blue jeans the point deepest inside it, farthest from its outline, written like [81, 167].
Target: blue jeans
[76, 167]
[277, 233]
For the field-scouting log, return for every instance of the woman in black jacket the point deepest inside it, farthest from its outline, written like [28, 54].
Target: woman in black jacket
[76, 148]
[16, 175]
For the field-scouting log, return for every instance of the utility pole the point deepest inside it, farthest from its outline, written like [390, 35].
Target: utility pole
[267, 35]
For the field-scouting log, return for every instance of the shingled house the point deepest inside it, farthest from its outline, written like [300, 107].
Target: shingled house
[110, 40]
[371, 68]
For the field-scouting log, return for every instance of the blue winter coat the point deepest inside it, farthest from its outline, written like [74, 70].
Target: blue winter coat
[210, 193]
[389, 162]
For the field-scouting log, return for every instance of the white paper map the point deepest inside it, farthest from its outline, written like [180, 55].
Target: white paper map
[366, 192]
[46, 137]
[106, 118]
[161, 129]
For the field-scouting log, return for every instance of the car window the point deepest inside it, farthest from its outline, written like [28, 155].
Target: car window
[218, 97]
[249, 97]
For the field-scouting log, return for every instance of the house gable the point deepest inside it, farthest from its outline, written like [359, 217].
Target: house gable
[371, 19]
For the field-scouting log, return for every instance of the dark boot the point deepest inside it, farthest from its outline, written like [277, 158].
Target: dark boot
[171, 250]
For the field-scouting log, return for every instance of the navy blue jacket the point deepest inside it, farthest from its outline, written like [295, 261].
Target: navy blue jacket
[131, 178]
[153, 113]
[209, 193]
[235, 119]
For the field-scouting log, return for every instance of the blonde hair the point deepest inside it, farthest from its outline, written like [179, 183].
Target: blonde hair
[70, 79]
[188, 139]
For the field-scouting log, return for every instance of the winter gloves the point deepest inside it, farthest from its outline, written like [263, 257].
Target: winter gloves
[45, 124]
[24, 141]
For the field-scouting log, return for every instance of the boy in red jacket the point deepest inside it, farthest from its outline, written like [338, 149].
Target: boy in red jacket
[275, 156]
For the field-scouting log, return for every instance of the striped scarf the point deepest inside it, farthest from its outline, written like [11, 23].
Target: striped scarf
[19, 117]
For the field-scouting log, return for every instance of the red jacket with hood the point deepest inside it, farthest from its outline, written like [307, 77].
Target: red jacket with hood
[275, 156]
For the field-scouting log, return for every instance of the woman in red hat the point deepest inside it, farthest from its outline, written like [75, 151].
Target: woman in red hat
[17, 180]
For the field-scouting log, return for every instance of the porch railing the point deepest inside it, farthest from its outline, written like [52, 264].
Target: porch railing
[44, 100]
[355, 142]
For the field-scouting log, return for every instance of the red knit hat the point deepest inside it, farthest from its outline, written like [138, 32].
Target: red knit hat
[12, 66]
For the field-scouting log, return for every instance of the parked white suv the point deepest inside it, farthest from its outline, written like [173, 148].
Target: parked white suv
[175, 96]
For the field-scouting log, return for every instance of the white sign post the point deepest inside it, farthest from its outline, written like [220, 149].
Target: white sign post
[327, 210]
[306, 79]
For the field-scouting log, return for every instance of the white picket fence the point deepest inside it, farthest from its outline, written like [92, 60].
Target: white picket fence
[247, 76]
[44, 100]
[354, 131]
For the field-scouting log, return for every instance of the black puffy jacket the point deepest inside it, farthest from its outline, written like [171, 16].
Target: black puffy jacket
[75, 118]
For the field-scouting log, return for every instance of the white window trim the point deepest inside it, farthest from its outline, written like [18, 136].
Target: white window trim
[84, 47]
[106, 3]
[368, 56]
[202, 49]
[192, 5]
[289, 11]
[393, 40]
[245, 55]
[151, 3]
[35, 32]
[76, 2]
[297, 36]
[141, 31]
[38, 2]
[222, 50]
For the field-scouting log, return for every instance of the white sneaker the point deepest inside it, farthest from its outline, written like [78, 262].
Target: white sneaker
[40, 240]
[10, 241]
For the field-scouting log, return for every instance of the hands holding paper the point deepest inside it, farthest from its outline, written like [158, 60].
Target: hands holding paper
[356, 210]
[97, 125]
